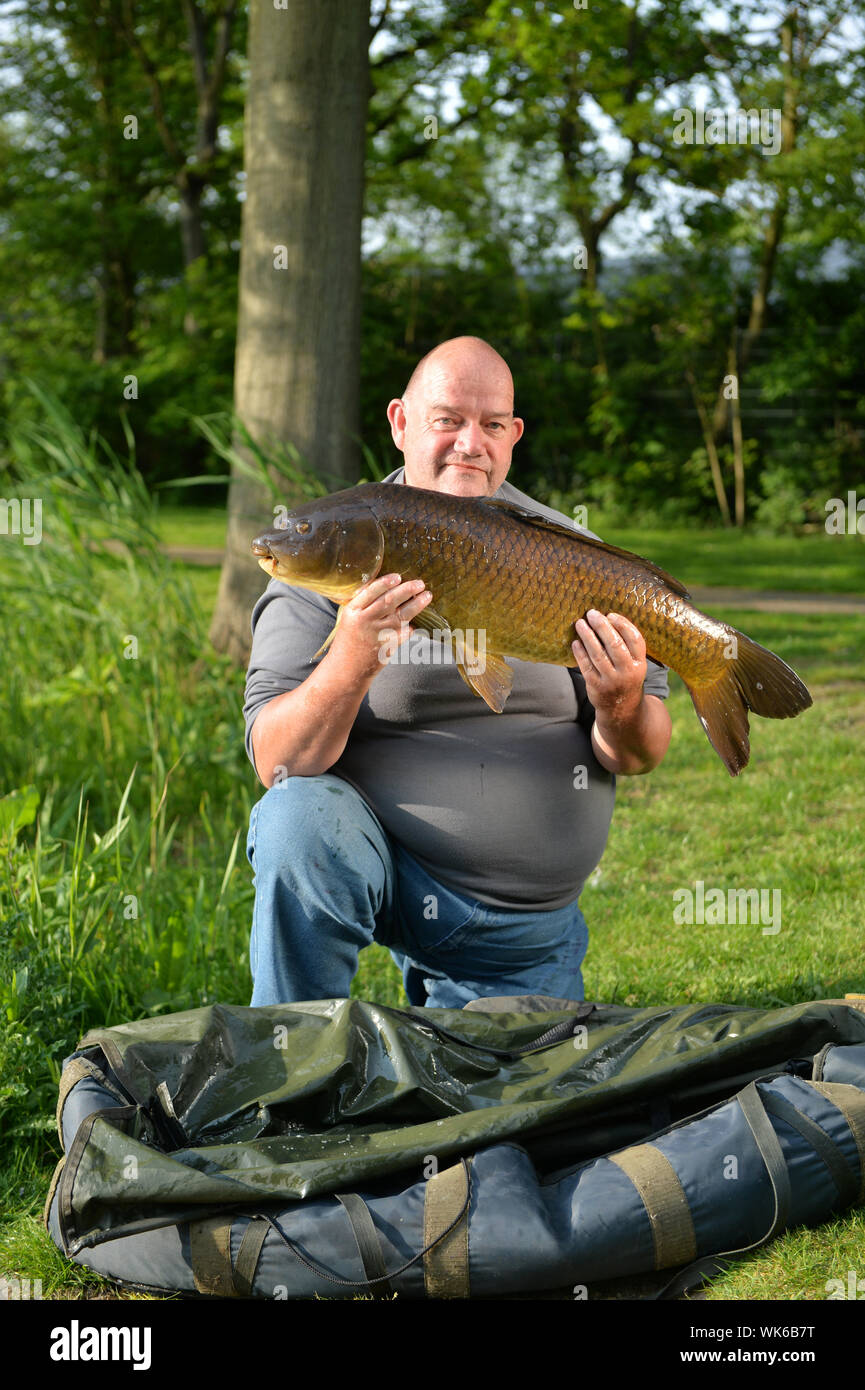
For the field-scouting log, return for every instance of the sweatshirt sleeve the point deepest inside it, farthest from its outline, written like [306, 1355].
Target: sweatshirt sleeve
[288, 627]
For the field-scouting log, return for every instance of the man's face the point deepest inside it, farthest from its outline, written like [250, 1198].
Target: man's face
[457, 428]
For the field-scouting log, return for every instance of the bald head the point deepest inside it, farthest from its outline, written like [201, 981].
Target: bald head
[455, 422]
[463, 357]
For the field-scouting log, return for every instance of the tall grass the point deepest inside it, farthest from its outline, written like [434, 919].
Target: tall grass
[125, 788]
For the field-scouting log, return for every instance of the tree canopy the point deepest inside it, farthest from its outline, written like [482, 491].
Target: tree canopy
[652, 210]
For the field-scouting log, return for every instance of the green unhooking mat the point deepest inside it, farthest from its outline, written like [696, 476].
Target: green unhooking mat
[336, 1146]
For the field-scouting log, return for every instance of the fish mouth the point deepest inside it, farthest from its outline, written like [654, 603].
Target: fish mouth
[265, 557]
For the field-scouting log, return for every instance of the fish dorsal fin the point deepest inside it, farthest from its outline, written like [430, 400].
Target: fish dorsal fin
[547, 524]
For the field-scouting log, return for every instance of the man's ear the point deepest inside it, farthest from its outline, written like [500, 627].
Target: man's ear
[396, 416]
[519, 425]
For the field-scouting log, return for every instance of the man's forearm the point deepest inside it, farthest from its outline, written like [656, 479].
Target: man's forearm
[305, 730]
[636, 744]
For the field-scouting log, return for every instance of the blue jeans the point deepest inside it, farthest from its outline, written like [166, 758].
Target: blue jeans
[329, 881]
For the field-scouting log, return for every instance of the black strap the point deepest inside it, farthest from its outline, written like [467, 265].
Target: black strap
[365, 1283]
[753, 1108]
[845, 1180]
[695, 1274]
[820, 1061]
[368, 1243]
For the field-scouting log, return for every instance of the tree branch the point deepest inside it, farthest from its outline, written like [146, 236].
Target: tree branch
[173, 150]
[630, 184]
[197, 44]
[221, 47]
[376, 28]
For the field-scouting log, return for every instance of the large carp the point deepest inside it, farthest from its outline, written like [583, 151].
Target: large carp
[523, 580]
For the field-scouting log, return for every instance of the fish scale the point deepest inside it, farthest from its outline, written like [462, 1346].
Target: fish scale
[530, 587]
[524, 580]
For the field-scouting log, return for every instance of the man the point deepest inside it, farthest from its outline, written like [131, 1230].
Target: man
[400, 809]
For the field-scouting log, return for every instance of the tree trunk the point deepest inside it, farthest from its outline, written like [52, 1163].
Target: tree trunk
[774, 227]
[711, 448]
[115, 183]
[298, 338]
[733, 372]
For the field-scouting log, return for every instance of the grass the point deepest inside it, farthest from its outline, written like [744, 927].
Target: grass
[192, 526]
[809, 563]
[125, 793]
[789, 823]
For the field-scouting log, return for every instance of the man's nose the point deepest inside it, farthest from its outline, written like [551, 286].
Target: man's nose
[470, 439]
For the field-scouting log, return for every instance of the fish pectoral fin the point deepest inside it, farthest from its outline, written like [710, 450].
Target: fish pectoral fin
[430, 620]
[330, 636]
[493, 683]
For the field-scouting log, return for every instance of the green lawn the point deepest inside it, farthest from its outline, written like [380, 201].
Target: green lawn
[814, 563]
[204, 526]
[143, 791]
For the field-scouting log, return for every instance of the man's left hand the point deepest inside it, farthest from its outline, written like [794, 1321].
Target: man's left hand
[632, 731]
[611, 655]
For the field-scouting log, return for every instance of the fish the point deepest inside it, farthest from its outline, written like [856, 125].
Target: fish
[523, 580]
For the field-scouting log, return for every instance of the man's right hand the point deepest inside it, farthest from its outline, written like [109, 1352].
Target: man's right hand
[375, 622]
[303, 732]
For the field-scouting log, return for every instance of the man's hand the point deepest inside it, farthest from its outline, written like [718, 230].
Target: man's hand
[632, 731]
[377, 621]
[303, 732]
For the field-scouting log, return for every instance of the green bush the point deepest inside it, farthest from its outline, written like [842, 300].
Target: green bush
[781, 508]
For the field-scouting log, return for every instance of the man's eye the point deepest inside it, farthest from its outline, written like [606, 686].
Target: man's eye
[496, 425]
[444, 420]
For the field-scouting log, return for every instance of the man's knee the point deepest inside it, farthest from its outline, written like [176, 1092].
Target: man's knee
[320, 831]
[299, 815]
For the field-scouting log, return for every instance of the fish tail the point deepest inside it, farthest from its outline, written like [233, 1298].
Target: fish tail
[754, 679]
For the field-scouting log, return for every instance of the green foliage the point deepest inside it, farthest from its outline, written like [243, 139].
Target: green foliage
[126, 791]
[122, 891]
[92, 208]
[553, 131]
[782, 506]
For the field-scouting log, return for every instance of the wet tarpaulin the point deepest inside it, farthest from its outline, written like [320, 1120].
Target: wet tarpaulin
[317, 1137]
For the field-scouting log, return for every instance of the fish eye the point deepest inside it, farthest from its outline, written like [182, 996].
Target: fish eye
[302, 527]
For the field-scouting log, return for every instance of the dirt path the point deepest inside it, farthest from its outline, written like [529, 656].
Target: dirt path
[778, 601]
